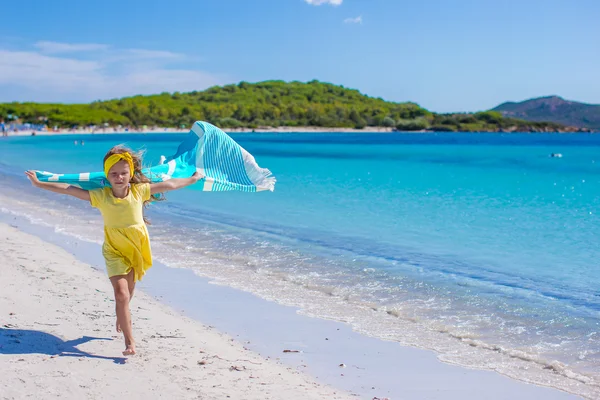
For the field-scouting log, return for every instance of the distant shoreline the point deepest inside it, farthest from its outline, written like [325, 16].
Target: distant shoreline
[283, 129]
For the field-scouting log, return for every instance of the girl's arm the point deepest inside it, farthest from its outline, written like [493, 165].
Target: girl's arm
[61, 188]
[174, 184]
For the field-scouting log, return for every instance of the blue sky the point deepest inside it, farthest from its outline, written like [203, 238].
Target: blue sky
[446, 55]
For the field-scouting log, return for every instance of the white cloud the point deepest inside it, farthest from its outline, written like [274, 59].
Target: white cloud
[56, 48]
[143, 58]
[357, 20]
[33, 76]
[140, 53]
[319, 2]
[37, 70]
[116, 54]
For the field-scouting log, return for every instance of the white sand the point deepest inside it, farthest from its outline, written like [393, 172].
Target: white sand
[280, 129]
[57, 340]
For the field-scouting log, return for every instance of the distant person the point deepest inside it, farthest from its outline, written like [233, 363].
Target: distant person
[126, 248]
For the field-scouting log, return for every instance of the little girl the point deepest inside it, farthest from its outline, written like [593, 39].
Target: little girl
[126, 246]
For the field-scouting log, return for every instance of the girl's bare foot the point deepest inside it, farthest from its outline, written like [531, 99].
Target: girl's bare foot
[129, 349]
[118, 326]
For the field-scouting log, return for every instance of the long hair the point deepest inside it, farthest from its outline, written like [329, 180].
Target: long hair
[138, 176]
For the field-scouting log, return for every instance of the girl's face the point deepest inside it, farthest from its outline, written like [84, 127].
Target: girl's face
[119, 174]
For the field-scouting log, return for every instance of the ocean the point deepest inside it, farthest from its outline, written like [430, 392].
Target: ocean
[481, 247]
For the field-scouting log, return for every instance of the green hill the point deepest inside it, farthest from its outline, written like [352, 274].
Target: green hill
[270, 103]
[555, 109]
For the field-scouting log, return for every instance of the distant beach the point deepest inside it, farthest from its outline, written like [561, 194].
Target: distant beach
[282, 129]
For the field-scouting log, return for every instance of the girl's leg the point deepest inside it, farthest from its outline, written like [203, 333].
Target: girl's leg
[120, 285]
[131, 284]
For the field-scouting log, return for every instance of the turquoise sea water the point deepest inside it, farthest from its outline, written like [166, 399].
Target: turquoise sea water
[479, 246]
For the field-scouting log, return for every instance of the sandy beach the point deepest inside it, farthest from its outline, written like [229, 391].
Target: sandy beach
[281, 129]
[57, 340]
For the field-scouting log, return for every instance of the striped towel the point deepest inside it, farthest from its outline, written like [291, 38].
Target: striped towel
[206, 149]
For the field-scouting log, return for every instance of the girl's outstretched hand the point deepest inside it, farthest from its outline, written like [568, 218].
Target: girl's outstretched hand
[197, 176]
[174, 184]
[32, 177]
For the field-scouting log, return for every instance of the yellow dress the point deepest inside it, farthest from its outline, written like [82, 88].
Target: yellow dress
[126, 239]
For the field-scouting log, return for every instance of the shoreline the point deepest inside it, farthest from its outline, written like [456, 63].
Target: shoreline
[301, 129]
[284, 129]
[393, 369]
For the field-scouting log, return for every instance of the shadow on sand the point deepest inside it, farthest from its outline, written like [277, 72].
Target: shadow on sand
[23, 341]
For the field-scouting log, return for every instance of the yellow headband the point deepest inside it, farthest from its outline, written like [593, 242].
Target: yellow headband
[115, 158]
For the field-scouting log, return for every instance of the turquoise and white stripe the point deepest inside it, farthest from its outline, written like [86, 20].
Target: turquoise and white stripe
[208, 150]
